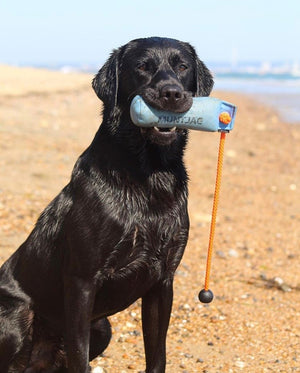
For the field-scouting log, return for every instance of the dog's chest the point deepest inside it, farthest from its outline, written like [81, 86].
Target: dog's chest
[141, 259]
[144, 250]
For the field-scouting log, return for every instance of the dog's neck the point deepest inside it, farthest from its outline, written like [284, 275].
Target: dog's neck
[118, 131]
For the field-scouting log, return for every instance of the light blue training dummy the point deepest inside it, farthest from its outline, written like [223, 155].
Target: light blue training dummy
[206, 114]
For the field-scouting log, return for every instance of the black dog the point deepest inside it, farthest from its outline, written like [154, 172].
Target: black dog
[116, 232]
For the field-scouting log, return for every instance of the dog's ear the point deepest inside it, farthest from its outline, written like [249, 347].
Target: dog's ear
[106, 82]
[204, 79]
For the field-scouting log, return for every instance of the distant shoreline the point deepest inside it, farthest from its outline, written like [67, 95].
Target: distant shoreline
[281, 94]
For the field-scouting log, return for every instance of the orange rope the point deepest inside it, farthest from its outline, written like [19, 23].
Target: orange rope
[214, 209]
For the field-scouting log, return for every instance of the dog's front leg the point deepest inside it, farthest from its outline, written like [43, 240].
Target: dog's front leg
[156, 310]
[79, 301]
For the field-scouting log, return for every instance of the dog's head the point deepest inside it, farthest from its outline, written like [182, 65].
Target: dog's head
[166, 72]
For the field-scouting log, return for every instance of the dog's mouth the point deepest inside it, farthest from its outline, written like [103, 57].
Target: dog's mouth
[160, 131]
[161, 136]
[165, 130]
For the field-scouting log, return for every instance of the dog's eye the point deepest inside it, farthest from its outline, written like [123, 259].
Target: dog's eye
[142, 66]
[182, 67]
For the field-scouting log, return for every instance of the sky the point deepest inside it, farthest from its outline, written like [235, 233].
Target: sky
[85, 32]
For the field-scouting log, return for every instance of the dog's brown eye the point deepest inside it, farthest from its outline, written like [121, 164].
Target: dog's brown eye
[182, 67]
[142, 67]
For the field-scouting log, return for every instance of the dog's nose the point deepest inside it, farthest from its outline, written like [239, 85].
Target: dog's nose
[171, 93]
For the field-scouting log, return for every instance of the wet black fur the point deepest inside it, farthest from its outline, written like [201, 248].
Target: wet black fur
[115, 233]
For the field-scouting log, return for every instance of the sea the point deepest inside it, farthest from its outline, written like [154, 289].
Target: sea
[282, 92]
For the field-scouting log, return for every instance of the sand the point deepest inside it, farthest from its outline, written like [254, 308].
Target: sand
[253, 325]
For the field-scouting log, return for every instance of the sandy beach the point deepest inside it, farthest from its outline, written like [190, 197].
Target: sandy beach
[253, 325]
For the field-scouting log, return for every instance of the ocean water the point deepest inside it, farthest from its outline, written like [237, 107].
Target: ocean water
[280, 92]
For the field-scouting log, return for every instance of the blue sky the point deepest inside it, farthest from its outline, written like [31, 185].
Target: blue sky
[84, 32]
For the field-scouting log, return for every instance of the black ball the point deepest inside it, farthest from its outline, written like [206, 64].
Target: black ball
[206, 296]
